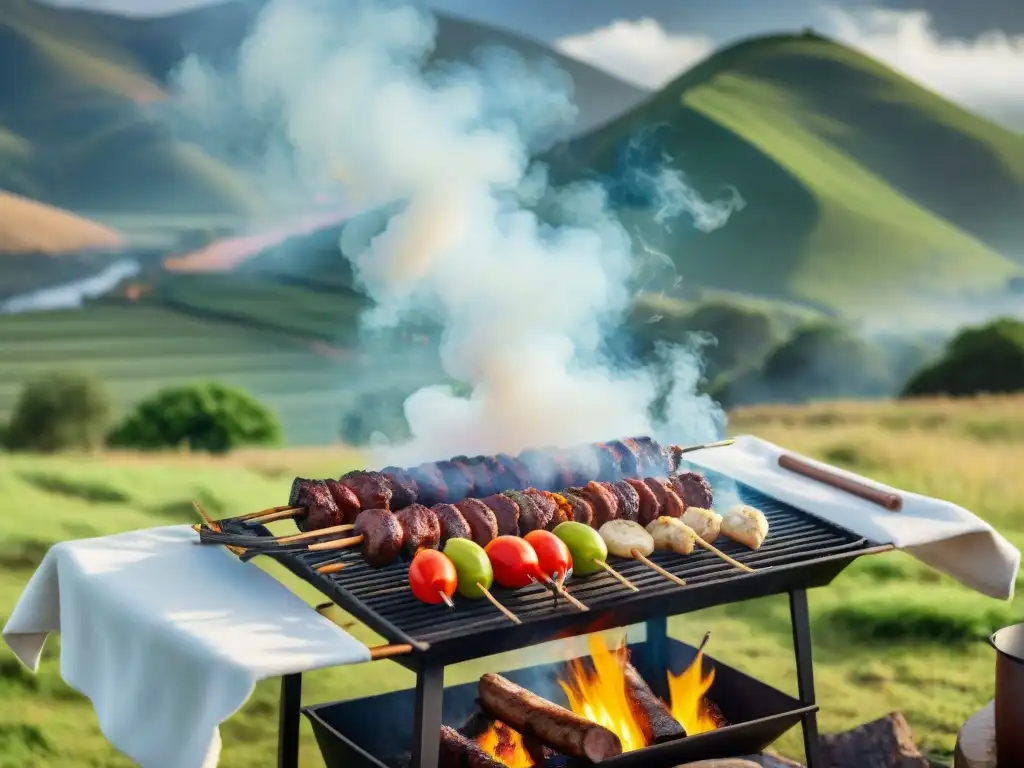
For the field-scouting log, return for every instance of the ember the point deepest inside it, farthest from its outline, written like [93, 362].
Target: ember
[504, 744]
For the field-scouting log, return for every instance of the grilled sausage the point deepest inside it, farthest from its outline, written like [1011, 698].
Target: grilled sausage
[603, 501]
[383, 536]
[506, 513]
[671, 504]
[650, 507]
[482, 522]
[422, 528]
[453, 523]
[629, 501]
[315, 497]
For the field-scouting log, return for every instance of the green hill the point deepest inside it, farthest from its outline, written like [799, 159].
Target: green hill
[862, 188]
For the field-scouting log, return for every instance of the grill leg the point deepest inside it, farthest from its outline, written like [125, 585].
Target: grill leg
[427, 722]
[656, 656]
[288, 724]
[801, 621]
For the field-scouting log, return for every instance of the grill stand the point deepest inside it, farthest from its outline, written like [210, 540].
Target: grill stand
[430, 693]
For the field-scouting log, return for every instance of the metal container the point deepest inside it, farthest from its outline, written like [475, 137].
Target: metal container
[1009, 645]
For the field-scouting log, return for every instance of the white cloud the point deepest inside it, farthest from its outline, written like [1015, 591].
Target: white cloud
[639, 51]
[987, 72]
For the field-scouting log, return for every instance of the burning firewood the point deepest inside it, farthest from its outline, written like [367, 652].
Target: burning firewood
[459, 752]
[651, 713]
[551, 725]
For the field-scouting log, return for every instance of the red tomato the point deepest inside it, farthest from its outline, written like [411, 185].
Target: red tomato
[554, 557]
[432, 575]
[514, 562]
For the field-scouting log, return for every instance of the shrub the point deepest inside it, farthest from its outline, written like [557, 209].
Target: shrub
[985, 359]
[63, 410]
[205, 417]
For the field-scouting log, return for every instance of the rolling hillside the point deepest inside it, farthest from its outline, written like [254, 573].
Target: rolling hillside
[862, 188]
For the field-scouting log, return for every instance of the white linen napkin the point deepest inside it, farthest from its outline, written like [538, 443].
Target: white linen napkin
[938, 533]
[167, 638]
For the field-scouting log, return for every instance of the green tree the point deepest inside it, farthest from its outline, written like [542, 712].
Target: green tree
[989, 358]
[205, 416]
[62, 410]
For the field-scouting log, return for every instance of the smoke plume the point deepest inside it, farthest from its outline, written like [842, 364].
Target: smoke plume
[527, 305]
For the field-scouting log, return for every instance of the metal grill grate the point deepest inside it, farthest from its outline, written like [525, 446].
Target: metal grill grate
[800, 550]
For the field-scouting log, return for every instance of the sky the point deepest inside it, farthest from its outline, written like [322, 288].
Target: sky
[971, 51]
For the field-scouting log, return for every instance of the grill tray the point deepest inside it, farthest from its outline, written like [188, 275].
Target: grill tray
[800, 552]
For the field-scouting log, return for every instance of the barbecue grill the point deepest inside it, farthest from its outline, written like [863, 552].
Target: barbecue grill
[801, 552]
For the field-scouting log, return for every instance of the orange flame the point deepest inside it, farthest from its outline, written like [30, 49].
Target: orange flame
[505, 745]
[687, 692]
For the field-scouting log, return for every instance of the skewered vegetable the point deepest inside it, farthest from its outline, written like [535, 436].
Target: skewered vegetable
[586, 547]
[746, 525]
[553, 556]
[433, 577]
[514, 562]
[672, 534]
[472, 566]
[625, 538]
[704, 522]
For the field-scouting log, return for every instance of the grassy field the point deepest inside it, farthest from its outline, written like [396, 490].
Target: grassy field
[889, 633]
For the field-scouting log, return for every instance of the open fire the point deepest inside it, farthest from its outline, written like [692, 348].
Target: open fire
[599, 689]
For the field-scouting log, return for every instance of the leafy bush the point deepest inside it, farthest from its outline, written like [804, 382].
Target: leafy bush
[63, 410]
[985, 359]
[205, 417]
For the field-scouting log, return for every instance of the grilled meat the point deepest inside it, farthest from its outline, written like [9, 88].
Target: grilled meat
[649, 506]
[421, 526]
[629, 501]
[693, 489]
[482, 522]
[453, 524]
[671, 504]
[372, 489]
[321, 509]
[382, 534]
[346, 499]
[506, 513]
[403, 486]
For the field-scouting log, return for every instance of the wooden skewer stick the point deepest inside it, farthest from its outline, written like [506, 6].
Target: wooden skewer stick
[494, 601]
[704, 642]
[326, 546]
[720, 554]
[885, 499]
[283, 514]
[268, 511]
[212, 524]
[559, 589]
[616, 575]
[330, 568]
[447, 600]
[387, 651]
[638, 555]
[313, 534]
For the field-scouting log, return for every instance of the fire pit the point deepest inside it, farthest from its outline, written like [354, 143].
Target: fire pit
[752, 716]
[802, 552]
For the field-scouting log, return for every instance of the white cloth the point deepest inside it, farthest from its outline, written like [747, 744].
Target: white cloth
[938, 533]
[167, 638]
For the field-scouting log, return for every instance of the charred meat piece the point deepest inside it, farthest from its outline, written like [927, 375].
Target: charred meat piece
[464, 465]
[629, 501]
[517, 471]
[501, 478]
[547, 506]
[528, 512]
[482, 522]
[430, 484]
[609, 462]
[403, 487]
[346, 499]
[693, 488]
[315, 496]
[457, 481]
[483, 480]
[603, 501]
[650, 507]
[506, 513]
[671, 504]
[565, 510]
[457, 751]
[371, 488]
[537, 513]
[639, 458]
[382, 534]
[582, 510]
[562, 466]
[453, 523]
[655, 459]
[422, 528]
[628, 459]
[584, 462]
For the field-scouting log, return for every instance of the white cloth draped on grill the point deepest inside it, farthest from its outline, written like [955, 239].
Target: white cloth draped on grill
[168, 638]
[940, 534]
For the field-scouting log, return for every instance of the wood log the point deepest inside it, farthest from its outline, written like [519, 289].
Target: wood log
[651, 713]
[459, 752]
[553, 726]
[976, 742]
[883, 743]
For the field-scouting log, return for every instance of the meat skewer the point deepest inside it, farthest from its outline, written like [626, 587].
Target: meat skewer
[628, 539]
[552, 725]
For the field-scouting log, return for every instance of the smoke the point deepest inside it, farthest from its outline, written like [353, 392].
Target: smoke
[527, 303]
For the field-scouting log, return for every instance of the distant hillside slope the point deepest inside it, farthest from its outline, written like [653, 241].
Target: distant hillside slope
[30, 227]
[75, 124]
[861, 186]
